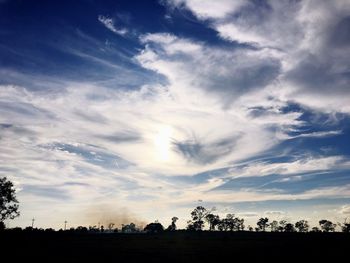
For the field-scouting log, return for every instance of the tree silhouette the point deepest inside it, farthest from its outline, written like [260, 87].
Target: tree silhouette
[223, 225]
[198, 215]
[282, 225]
[154, 228]
[274, 226]
[172, 227]
[315, 229]
[239, 224]
[345, 227]
[8, 200]
[302, 226]
[289, 227]
[131, 228]
[110, 226]
[326, 225]
[262, 224]
[230, 222]
[213, 221]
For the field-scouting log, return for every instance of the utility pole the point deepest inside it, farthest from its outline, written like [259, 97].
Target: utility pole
[33, 222]
[65, 224]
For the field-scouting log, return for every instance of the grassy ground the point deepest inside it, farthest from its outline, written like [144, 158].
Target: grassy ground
[175, 247]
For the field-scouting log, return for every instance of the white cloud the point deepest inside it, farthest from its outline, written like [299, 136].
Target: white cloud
[91, 143]
[309, 39]
[109, 23]
[210, 9]
[305, 164]
[274, 213]
[345, 210]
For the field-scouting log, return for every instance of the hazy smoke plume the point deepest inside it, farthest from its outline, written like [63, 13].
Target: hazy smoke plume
[106, 214]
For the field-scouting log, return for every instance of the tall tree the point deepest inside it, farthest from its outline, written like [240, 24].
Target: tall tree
[198, 215]
[8, 200]
[230, 222]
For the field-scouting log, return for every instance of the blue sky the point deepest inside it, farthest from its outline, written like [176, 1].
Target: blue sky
[141, 110]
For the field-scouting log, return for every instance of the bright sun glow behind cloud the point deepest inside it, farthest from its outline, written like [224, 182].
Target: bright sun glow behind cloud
[162, 143]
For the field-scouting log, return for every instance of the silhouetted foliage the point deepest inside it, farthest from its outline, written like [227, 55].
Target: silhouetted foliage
[289, 227]
[110, 227]
[315, 229]
[130, 228]
[213, 221]
[198, 215]
[81, 229]
[172, 227]
[239, 224]
[8, 201]
[154, 228]
[230, 223]
[302, 226]
[94, 229]
[262, 224]
[274, 226]
[345, 227]
[327, 226]
[282, 225]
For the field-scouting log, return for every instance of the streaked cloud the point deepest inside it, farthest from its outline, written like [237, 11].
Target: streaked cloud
[109, 23]
[164, 119]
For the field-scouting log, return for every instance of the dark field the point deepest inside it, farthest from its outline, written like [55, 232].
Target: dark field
[175, 247]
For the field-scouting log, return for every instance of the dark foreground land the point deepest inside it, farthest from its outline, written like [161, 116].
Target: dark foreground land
[174, 247]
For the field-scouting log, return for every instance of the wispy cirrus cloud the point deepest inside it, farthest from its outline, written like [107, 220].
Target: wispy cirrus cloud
[110, 24]
[174, 116]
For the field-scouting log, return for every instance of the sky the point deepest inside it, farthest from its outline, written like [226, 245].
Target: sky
[141, 110]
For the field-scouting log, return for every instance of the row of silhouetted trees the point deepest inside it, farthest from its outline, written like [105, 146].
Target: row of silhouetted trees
[200, 216]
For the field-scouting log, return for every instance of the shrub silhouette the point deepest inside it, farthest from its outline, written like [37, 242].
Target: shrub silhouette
[154, 228]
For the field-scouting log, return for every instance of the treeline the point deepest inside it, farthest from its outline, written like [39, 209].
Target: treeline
[200, 215]
[203, 219]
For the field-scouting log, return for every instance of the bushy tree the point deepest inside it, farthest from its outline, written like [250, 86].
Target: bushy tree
[154, 228]
[8, 200]
[262, 224]
[198, 215]
[130, 228]
[327, 226]
[302, 226]
[345, 227]
[282, 225]
[274, 226]
[289, 227]
[239, 224]
[213, 220]
[315, 229]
